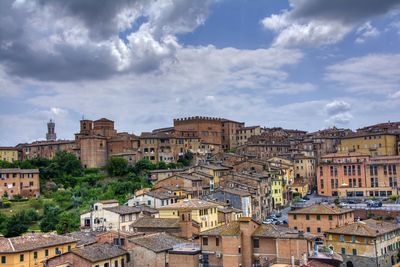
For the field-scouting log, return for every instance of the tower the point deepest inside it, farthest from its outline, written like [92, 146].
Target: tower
[51, 135]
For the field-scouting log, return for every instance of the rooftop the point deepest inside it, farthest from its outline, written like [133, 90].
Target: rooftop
[122, 210]
[158, 242]
[83, 238]
[32, 241]
[150, 222]
[370, 227]
[108, 201]
[190, 204]
[99, 252]
[278, 231]
[232, 229]
[18, 170]
[321, 209]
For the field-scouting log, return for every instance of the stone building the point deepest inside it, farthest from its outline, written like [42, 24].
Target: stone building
[9, 154]
[22, 182]
[51, 131]
[319, 218]
[244, 133]
[366, 243]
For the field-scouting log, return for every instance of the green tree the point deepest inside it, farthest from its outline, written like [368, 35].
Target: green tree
[117, 166]
[16, 225]
[186, 159]
[3, 222]
[50, 218]
[67, 222]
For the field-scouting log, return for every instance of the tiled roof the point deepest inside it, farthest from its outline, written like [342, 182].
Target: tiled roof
[232, 228]
[229, 209]
[321, 209]
[368, 227]
[32, 241]
[18, 170]
[277, 231]
[160, 194]
[190, 204]
[122, 210]
[84, 238]
[99, 252]
[158, 242]
[150, 222]
[233, 191]
[109, 201]
[214, 167]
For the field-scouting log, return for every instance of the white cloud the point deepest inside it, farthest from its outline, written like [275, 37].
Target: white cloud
[374, 73]
[365, 32]
[338, 112]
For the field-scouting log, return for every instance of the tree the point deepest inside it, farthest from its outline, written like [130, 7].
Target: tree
[67, 222]
[3, 222]
[117, 166]
[16, 224]
[143, 165]
[186, 159]
[50, 218]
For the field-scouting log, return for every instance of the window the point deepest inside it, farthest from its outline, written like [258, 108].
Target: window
[21, 257]
[330, 217]
[46, 253]
[122, 262]
[308, 229]
[116, 263]
[239, 250]
[205, 241]
[69, 248]
[217, 241]
[256, 243]
[366, 240]
[341, 238]
[354, 252]
[3, 259]
[307, 217]
[106, 265]
[353, 239]
[318, 217]
[343, 251]
[35, 255]
[319, 229]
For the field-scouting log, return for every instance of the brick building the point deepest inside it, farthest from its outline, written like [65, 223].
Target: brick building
[319, 218]
[9, 154]
[23, 182]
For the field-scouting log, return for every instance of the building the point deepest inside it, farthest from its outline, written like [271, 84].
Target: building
[203, 212]
[259, 187]
[370, 143]
[51, 133]
[155, 199]
[229, 133]
[193, 184]
[33, 249]
[106, 255]
[9, 154]
[109, 215]
[47, 149]
[358, 175]
[161, 249]
[243, 134]
[21, 182]
[319, 218]
[215, 173]
[236, 198]
[246, 243]
[366, 243]
[158, 175]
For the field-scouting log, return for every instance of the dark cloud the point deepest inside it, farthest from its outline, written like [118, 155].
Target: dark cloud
[347, 11]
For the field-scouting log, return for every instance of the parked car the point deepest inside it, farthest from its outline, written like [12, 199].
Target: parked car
[374, 204]
[268, 221]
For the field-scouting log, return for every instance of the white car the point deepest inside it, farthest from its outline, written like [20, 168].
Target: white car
[268, 221]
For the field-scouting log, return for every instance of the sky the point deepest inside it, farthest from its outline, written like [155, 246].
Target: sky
[299, 64]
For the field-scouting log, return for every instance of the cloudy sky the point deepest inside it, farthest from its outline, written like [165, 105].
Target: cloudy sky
[305, 64]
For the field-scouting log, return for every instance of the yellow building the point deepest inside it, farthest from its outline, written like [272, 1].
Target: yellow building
[373, 144]
[366, 243]
[300, 187]
[216, 171]
[203, 212]
[33, 249]
[9, 154]
[277, 193]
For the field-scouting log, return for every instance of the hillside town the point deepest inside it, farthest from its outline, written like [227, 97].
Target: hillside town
[209, 192]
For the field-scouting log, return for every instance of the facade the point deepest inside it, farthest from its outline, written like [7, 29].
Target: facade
[23, 182]
[106, 255]
[358, 175]
[246, 243]
[214, 171]
[203, 212]
[196, 185]
[155, 199]
[243, 134]
[33, 249]
[9, 154]
[319, 218]
[47, 149]
[370, 143]
[366, 243]
[259, 187]
[108, 215]
[236, 198]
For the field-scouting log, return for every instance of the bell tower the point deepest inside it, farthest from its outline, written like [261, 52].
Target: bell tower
[51, 134]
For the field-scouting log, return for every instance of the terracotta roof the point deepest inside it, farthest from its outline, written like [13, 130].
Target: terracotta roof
[122, 210]
[109, 201]
[99, 252]
[190, 204]
[321, 209]
[158, 242]
[278, 231]
[8, 148]
[229, 209]
[83, 238]
[234, 191]
[370, 227]
[214, 167]
[160, 193]
[32, 241]
[150, 222]
[232, 228]
[18, 170]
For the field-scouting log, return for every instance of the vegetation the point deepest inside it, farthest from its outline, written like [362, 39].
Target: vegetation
[68, 190]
